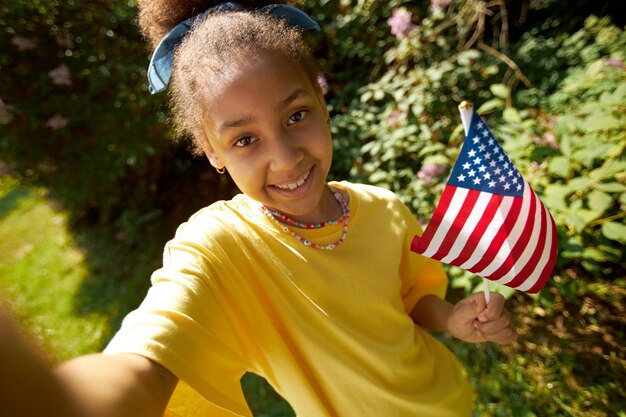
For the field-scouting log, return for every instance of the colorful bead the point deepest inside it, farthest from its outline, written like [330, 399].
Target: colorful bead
[345, 217]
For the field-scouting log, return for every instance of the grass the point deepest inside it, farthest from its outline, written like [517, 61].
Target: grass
[71, 287]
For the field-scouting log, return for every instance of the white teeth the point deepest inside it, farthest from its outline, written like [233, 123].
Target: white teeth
[294, 185]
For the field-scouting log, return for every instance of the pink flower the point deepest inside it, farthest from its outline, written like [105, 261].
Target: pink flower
[57, 122]
[400, 22]
[60, 75]
[395, 118]
[430, 172]
[440, 4]
[22, 44]
[6, 113]
[612, 62]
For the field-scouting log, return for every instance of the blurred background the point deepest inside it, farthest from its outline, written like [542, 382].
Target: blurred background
[93, 181]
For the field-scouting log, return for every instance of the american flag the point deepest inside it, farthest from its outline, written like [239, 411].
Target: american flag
[489, 221]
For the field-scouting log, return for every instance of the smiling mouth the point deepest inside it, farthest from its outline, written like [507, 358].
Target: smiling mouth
[294, 185]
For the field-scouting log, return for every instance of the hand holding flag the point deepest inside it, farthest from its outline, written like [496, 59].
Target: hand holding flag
[488, 220]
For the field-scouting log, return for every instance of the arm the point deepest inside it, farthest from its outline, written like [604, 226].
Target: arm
[116, 385]
[91, 386]
[471, 319]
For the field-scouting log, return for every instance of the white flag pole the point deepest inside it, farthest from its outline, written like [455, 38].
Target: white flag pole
[466, 108]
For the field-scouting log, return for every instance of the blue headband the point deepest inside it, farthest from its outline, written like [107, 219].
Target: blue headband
[161, 63]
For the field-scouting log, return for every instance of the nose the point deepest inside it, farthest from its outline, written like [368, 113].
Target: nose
[285, 153]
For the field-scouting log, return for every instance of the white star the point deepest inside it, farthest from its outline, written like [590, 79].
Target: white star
[502, 178]
[466, 165]
[518, 187]
[461, 177]
[482, 168]
[492, 164]
[477, 160]
[476, 181]
[497, 171]
[485, 133]
[482, 147]
[476, 139]
[492, 184]
[471, 173]
[488, 155]
[487, 176]
[507, 186]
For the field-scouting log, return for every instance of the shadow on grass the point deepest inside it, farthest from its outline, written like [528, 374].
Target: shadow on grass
[11, 200]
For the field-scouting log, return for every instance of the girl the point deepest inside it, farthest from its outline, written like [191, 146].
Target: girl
[308, 283]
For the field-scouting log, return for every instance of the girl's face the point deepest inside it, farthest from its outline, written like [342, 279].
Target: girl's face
[267, 124]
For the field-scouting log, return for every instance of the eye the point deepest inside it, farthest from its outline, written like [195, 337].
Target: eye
[244, 141]
[297, 117]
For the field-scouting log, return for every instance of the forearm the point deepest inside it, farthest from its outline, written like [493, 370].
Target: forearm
[432, 312]
[27, 384]
[90, 386]
[117, 385]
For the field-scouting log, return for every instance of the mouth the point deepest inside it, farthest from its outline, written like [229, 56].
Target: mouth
[290, 186]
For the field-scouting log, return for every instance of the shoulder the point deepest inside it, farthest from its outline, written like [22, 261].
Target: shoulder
[217, 221]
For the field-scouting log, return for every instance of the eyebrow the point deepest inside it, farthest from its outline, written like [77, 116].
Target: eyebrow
[248, 119]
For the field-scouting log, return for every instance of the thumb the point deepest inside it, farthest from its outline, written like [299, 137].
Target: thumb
[470, 307]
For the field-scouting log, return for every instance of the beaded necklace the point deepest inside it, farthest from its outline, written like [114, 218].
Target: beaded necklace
[280, 219]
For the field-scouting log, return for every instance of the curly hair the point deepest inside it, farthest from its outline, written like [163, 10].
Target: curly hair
[213, 48]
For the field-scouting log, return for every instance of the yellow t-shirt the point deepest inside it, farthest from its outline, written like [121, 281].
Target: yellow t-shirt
[329, 330]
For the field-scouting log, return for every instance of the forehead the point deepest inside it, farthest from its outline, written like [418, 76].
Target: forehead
[255, 84]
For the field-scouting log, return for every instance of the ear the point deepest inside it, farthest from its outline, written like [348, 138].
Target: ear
[211, 155]
[213, 159]
[320, 96]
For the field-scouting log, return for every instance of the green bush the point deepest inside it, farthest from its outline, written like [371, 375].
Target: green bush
[555, 103]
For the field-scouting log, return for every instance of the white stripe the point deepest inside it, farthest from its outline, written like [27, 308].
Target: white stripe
[453, 210]
[545, 256]
[469, 226]
[490, 232]
[512, 237]
[532, 243]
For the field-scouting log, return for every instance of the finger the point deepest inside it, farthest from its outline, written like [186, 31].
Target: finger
[472, 305]
[494, 308]
[494, 326]
[504, 336]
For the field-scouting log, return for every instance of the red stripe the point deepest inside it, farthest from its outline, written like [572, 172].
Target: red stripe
[520, 244]
[485, 220]
[547, 270]
[500, 237]
[459, 221]
[533, 262]
[420, 243]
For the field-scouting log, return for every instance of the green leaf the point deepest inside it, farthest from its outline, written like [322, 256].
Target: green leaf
[554, 196]
[602, 122]
[614, 231]
[511, 115]
[579, 183]
[609, 170]
[500, 90]
[594, 254]
[599, 201]
[575, 221]
[611, 187]
[559, 166]
[489, 105]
